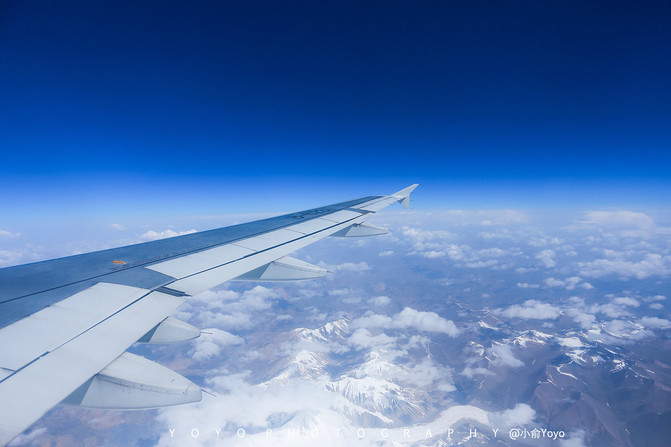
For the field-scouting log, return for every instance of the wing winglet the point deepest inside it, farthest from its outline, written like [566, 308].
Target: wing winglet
[403, 195]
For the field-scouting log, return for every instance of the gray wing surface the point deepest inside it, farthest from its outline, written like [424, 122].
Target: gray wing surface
[65, 324]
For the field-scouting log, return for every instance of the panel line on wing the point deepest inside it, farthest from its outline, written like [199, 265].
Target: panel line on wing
[163, 289]
[267, 248]
[146, 263]
[63, 322]
[51, 378]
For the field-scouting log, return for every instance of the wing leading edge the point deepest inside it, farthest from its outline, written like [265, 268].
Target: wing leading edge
[66, 323]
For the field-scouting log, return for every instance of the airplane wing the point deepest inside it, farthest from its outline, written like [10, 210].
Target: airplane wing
[65, 324]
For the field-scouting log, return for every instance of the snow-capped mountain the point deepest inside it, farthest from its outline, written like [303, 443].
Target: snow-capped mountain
[303, 353]
[372, 386]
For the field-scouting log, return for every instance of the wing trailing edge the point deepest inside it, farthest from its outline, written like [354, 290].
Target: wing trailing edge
[132, 382]
[71, 347]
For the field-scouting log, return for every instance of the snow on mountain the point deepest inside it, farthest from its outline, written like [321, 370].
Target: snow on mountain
[356, 414]
[619, 365]
[373, 385]
[303, 354]
[531, 336]
[570, 342]
[333, 331]
[380, 396]
[484, 325]
[303, 365]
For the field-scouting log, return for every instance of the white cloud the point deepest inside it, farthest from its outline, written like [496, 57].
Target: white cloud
[424, 321]
[572, 282]
[215, 299]
[470, 372]
[379, 301]
[5, 233]
[432, 254]
[241, 404]
[30, 438]
[553, 282]
[655, 323]
[452, 251]
[547, 258]
[418, 341]
[211, 341]
[575, 439]
[500, 234]
[152, 235]
[386, 253]
[372, 320]
[420, 235]
[228, 320]
[626, 301]
[504, 356]
[568, 283]
[521, 415]
[616, 308]
[482, 264]
[8, 258]
[456, 252]
[351, 267]
[434, 244]
[340, 292]
[531, 309]
[612, 310]
[408, 318]
[524, 285]
[618, 219]
[229, 309]
[626, 330]
[118, 227]
[570, 342]
[363, 339]
[542, 241]
[652, 264]
[580, 316]
[492, 252]
[425, 373]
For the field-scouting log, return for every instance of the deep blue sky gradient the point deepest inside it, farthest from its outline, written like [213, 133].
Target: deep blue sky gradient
[116, 106]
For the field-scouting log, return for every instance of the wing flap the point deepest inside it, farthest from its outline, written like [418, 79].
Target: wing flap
[42, 332]
[49, 379]
[132, 382]
[197, 262]
[171, 330]
[271, 239]
[198, 282]
[341, 216]
[360, 230]
[201, 281]
[311, 226]
[284, 269]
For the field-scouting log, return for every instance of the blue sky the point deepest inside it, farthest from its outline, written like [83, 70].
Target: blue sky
[168, 107]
